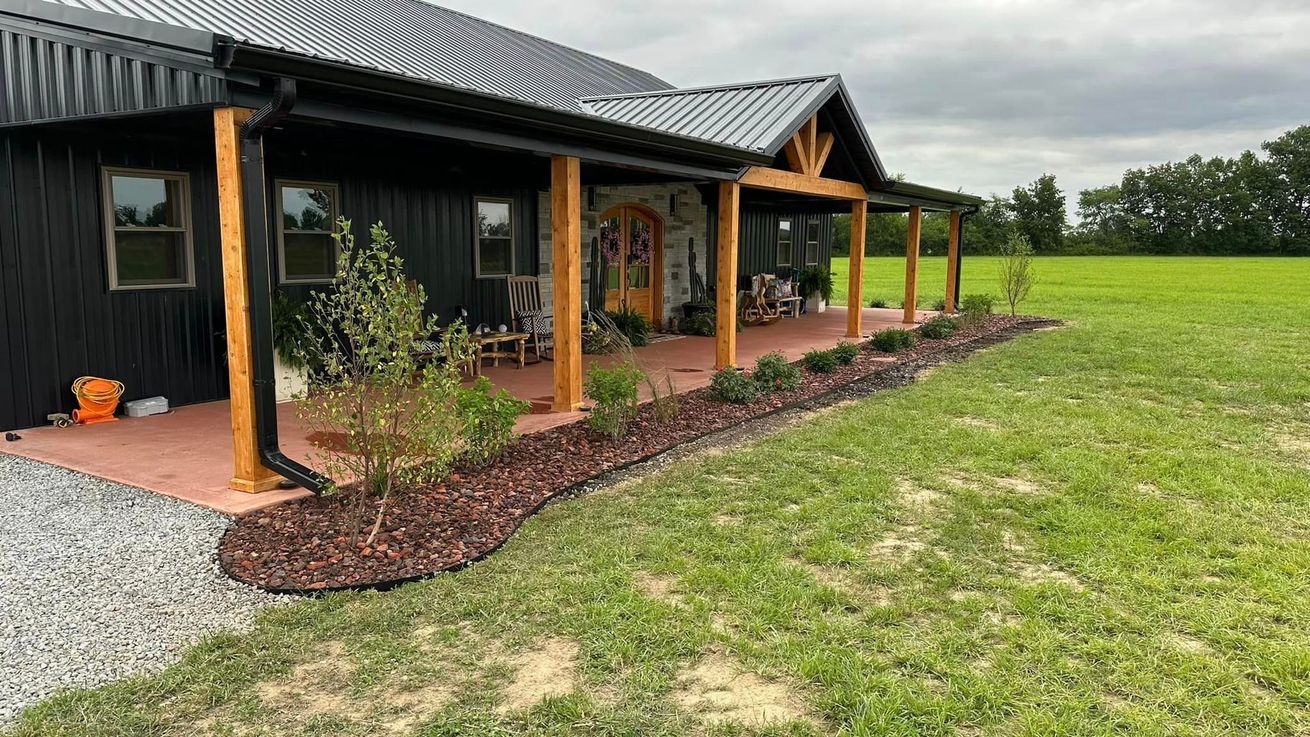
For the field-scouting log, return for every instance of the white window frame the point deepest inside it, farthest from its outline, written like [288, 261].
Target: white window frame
[477, 238]
[280, 224]
[791, 241]
[817, 241]
[107, 174]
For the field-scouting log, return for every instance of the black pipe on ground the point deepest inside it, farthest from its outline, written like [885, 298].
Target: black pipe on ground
[255, 203]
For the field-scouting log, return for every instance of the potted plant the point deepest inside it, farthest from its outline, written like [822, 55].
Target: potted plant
[815, 284]
[290, 373]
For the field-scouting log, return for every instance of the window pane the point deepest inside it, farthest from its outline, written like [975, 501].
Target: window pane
[493, 219]
[308, 256]
[612, 277]
[494, 256]
[150, 257]
[141, 201]
[307, 208]
[638, 276]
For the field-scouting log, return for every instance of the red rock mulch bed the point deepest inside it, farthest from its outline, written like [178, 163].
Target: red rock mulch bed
[304, 546]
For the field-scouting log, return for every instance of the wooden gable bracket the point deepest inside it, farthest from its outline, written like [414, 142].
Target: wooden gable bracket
[807, 151]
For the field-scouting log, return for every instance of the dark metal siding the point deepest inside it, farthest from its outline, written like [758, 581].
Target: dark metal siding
[47, 79]
[58, 319]
[424, 196]
[757, 248]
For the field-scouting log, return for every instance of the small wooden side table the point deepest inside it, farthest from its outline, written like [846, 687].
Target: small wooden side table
[489, 345]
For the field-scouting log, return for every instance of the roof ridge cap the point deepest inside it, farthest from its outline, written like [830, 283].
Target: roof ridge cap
[708, 88]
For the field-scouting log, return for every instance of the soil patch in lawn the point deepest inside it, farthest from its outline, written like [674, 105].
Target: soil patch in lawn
[718, 690]
[315, 688]
[546, 669]
[660, 588]
[310, 545]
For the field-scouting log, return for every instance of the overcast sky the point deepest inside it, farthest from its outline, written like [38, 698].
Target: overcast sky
[983, 94]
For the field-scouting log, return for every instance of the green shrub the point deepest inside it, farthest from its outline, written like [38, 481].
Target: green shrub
[820, 362]
[939, 305]
[892, 340]
[846, 352]
[613, 389]
[734, 387]
[878, 302]
[774, 374]
[938, 327]
[701, 323]
[977, 305]
[488, 420]
[631, 323]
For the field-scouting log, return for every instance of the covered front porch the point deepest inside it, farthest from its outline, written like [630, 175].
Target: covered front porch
[187, 453]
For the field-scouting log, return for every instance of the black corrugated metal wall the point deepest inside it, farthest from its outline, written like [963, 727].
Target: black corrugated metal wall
[58, 319]
[757, 248]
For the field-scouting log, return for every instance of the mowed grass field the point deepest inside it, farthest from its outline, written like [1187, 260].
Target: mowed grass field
[1097, 530]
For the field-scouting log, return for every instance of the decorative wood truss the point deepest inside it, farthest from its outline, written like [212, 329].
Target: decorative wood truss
[808, 149]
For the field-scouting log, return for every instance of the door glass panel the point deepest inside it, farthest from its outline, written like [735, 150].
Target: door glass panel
[611, 252]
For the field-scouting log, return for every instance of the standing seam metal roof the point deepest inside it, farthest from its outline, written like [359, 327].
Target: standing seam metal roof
[408, 37]
[757, 116]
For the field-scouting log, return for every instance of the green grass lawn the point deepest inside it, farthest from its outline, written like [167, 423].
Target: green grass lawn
[1103, 529]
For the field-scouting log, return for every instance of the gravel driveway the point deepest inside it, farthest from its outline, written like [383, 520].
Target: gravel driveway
[99, 581]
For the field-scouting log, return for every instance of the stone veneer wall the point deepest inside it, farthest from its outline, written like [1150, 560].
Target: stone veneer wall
[690, 221]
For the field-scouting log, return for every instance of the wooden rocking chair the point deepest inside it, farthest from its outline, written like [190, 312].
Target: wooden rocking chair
[528, 315]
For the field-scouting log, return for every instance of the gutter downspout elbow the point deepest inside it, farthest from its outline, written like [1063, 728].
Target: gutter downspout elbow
[255, 204]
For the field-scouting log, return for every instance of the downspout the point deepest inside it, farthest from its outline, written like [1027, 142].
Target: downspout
[255, 205]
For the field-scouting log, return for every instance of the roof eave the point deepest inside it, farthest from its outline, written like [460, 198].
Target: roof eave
[262, 60]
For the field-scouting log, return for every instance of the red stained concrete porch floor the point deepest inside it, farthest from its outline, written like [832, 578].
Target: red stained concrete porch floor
[187, 453]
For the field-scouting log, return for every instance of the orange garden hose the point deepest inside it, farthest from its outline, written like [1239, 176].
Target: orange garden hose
[97, 400]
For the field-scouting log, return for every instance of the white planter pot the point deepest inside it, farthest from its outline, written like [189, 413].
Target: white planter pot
[816, 304]
[290, 383]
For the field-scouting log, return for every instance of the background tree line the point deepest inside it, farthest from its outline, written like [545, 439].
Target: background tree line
[1251, 204]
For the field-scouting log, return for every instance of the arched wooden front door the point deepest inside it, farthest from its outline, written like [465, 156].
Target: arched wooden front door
[632, 247]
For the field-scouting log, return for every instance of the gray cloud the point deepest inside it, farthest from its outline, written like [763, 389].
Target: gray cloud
[984, 94]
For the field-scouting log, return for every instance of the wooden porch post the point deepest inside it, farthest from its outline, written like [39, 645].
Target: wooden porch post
[855, 289]
[912, 263]
[953, 262]
[248, 474]
[566, 275]
[725, 330]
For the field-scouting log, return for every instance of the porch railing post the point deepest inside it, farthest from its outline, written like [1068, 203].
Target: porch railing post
[953, 262]
[725, 330]
[566, 275]
[248, 474]
[855, 288]
[912, 264]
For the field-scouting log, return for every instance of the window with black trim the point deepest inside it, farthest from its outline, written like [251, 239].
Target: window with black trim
[784, 242]
[812, 243]
[494, 247]
[307, 216]
[148, 229]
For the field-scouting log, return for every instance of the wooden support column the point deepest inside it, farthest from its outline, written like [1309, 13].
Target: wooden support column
[248, 474]
[953, 262]
[725, 331]
[566, 276]
[912, 263]
[855, 288]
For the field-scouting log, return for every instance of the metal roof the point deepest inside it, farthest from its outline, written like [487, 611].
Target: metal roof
[406, 37]
[758, 116]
